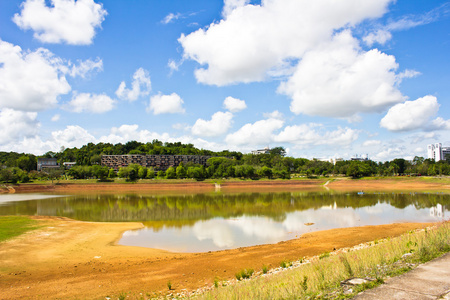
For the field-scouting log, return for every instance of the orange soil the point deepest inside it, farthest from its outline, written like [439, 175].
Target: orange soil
[343, 184]
[68, 259]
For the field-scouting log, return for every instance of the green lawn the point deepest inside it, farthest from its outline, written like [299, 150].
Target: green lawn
[12, 226]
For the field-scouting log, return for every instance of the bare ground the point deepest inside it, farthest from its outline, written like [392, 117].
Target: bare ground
[68, 259]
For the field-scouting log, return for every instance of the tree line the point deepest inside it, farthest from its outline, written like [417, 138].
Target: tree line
[15, 167]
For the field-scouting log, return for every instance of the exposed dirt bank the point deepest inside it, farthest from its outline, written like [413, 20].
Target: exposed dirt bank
[69, 259]
[344, 184]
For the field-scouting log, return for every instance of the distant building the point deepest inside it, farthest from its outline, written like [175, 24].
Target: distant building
[332, 160]
[69, 165]
[436, 152]
[158, 162]
[47, 163]
[261, 151]
[361, 158]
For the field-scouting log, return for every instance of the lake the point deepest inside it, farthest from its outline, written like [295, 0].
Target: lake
[219, 220]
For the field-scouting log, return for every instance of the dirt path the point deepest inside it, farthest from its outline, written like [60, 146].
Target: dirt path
[68, 259]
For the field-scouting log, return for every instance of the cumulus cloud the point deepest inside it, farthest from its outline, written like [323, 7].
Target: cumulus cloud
[230, 5]
[380, 36]
[85, 67]
[338, 79]
[94, 103]
[314, 134]
[166, 104]
[65, 21]
[234, 105]
[413, 115]
[16, 125]
[30, 80]
[258, 133]
[219, 124]
[439, 124]
[127, 133]
[254, 39]
[72, 136]
[140, 86]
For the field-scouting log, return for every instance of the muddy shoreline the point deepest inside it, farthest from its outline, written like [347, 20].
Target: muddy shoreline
[68, 259]
[341, 184]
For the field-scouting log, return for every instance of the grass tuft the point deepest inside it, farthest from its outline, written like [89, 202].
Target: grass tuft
[244, 274]
[12, 226]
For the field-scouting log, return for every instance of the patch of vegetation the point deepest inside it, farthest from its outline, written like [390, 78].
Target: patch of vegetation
[244, 274]
[286, 264]
[321, 278]
[265, 269]
[12, 226]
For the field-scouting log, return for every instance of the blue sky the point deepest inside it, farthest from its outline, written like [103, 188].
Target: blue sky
[321, 78]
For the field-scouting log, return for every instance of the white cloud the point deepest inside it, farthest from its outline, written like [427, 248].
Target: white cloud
[30, 81]
[166, 104]
[230, 5]
[258, 133]
[371, 143]
[274, 115]
[94, 103]
[65, 21]
[219, 124]
[340, 80]
[15, 125]
[170, 18]
[86, 66]
[127, 133]
[234, 105]
[141, 86]
[380, 36]
[439, 124]
[383, 33]
[412, 115]
[173, 65]
[72, 136]
[56, 118]
[254, 39]
[314, 134]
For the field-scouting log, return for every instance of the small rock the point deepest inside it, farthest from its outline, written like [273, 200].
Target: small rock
[354, 281]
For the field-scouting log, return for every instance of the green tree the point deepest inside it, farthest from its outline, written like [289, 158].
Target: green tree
[171, 173]
[181, 171]
[150, 173]
[142, 172]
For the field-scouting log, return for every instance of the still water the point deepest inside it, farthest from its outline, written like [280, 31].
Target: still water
[217, 221]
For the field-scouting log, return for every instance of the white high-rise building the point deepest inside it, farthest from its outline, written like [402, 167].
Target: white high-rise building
[437, 152]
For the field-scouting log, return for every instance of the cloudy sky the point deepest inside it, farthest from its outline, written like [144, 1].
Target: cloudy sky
[322, 78]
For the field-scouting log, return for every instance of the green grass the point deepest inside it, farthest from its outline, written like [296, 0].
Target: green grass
[321, 278]
[12, 226]
[244, 274]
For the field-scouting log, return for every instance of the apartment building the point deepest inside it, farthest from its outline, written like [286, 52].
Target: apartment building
[157, 162]
[436, 152]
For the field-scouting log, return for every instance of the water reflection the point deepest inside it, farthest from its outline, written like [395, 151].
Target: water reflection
[214, 221]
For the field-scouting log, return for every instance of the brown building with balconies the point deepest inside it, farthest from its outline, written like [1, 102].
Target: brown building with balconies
[157, 162]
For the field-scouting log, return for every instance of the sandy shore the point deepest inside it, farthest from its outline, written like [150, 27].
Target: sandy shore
[70, 259]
